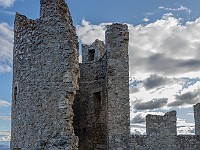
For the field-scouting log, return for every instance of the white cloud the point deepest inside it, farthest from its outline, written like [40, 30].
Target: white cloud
[4, 103]
[146, 19]
[88, 33]
[181, 8]
[6, 49]
[184, 127]
[165, 46]
[6, 3]
[5, 136]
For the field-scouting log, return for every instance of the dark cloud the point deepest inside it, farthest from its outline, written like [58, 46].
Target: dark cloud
[133, 90]
[153, 104]
[138, 119]
[170, 66]
[186, 98]
[154, 81]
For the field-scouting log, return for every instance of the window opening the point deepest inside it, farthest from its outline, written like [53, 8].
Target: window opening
[15, 93]
[91, 53]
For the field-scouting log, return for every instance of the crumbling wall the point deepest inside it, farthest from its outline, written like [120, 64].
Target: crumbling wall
[165, 125]
[162, 135]
[165, 142]
[45, 75]
[90, 122]
[104, 124]
[93, 52]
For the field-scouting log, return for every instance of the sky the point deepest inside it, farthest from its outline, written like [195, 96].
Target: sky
[164, 51]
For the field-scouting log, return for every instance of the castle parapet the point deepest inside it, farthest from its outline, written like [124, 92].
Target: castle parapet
[165, 125]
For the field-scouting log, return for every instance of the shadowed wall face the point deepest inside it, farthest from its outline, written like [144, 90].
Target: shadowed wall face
[90, 105]
[101, 106]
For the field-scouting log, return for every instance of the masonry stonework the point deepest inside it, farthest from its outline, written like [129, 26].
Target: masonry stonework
[165, 125]
[197, 118]
[101, 106]
[46, 71]
[61, 104]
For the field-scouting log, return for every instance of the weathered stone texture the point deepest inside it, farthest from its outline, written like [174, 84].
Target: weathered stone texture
[197, 118]
[117, 76]
[165, 142]
[93, 52]
[45, 78]
[165, 125]
[101, 105]
[50, 87]
[90, 106]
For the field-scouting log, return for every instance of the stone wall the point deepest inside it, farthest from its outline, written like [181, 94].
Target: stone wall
[102, 103]
[45, 84]
[197, 118]
[90, 106]
[165, 125]
[45, 78]
[93, 52]
[160, 135]
[117, 83]
[165, 142]
[48, 90]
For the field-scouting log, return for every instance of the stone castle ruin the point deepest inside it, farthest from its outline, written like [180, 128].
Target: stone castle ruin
[61, 104]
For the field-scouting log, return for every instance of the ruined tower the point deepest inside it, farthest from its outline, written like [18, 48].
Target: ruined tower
[45, 75]
[59, 104]
[161, 125]
[50, 87]
[101, 107]
[117, 82]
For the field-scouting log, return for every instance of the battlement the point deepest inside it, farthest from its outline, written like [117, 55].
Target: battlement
[165, 125]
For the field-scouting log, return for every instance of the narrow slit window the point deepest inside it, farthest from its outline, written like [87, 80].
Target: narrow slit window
[15, 93]
[84, 131]
[91, 53]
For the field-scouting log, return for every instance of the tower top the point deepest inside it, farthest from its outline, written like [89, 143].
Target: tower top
[49, 8]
